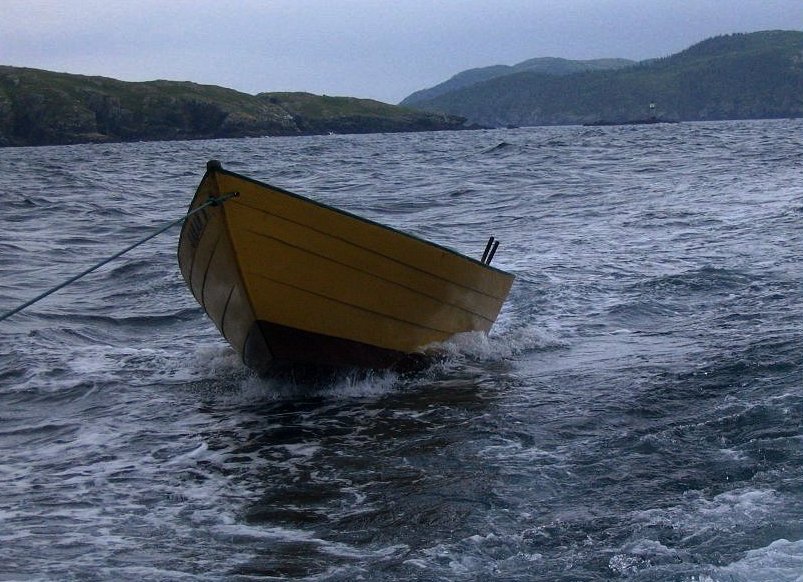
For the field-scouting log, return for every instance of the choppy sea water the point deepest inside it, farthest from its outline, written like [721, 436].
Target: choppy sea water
[635, 414]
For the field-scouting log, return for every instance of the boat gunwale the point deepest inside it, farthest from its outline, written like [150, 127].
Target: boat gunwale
[359, 218]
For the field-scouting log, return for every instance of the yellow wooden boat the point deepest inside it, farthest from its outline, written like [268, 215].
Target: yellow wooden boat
[290, 282]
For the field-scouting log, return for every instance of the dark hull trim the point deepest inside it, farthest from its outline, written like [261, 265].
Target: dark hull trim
[278, 350]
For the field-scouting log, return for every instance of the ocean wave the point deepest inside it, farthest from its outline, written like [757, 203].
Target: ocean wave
[634, 412]
[780, 561]
[703, 279]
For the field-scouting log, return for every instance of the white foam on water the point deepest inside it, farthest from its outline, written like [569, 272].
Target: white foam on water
[241, 387]
[625, 565]
[725, 510]
[304, 450]
[214, 359]
[92, 360]
[734, 454]
[364, 385]
[102, 363]
[738, 507]
[233, 383]
[482, 556]
[781, 561]
[701, 519]
[640, 555]
[200, 452]
[505, 345]
[243, 534]
[145, 573]
[515, 451]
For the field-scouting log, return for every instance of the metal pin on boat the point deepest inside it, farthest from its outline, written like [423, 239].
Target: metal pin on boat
[488, 246]
[492, 253]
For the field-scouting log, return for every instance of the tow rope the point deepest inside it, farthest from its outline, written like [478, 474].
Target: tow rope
[212, 201]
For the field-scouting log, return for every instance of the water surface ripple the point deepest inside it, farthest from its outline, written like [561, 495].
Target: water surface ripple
[635, 414]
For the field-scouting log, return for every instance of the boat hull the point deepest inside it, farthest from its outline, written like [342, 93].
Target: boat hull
[275, 348]
[291, 282]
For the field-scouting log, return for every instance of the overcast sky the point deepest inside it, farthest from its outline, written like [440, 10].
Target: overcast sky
[380, 49]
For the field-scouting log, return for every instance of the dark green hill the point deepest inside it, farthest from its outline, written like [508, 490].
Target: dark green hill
[41, 107]
[317, 114]
[545, 65]
[738, 76]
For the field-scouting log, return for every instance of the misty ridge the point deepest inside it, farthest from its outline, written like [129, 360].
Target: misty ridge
[737, 76]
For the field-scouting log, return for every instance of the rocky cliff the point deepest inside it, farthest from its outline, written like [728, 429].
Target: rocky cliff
[41, 107]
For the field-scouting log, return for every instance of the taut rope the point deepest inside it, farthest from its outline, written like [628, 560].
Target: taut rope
[212, 201]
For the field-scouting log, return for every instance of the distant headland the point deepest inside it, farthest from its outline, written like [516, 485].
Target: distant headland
[755, 75]
[45, 108]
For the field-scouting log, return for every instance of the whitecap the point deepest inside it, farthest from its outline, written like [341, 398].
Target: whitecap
[781, 561]
[505, 345]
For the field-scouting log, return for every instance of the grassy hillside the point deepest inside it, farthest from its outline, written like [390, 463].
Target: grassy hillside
[739, 76]
[322, 114]
[41, 107]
